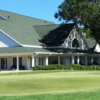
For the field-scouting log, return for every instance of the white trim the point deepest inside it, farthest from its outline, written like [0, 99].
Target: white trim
[41, 46]
[30, 53]
[17, 62]
[46, 61]
[54, 47]
[45, 53]
[3, 17]
[33, 60]
[78, 59]
[32, 46]
[10, 37]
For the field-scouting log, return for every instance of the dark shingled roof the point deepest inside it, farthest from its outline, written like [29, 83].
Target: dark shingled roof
[53, 35]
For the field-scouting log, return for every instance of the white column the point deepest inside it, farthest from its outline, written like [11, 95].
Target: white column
[46, 60]
[58, 59]
[17, 62]
[78, 60]
[32, 60]
[92, 60]
[85, 61]
[72, 59]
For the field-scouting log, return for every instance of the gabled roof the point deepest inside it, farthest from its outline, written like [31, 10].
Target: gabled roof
[32, 31]
[21, 27]
[53, 35]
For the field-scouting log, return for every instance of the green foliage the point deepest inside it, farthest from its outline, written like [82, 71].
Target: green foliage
[87, 32]
[83, 12]
[48, 67]
[68, 67]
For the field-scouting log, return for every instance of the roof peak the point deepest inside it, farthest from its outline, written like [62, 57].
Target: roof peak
[55, 24]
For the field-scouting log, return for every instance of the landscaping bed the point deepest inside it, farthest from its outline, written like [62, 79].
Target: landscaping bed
[69, 67]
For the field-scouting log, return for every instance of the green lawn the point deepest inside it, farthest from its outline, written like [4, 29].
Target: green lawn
[79, 85]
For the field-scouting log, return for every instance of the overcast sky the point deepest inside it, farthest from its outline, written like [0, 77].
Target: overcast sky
[42, 9]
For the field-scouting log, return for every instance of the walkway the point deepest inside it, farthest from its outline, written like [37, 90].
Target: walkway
[11, 71]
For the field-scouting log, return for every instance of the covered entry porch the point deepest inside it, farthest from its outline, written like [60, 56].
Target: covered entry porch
[65, 59]
[33, 59]
[29, 57]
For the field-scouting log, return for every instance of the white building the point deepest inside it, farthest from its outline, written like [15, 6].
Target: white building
[26, 41]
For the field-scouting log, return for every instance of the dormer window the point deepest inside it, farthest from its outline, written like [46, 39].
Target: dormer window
[1, 17]
[75, 43]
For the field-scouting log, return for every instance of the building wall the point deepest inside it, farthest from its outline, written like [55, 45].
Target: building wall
[97, 48]
[65, 60]
[5, 41]
[25, 61]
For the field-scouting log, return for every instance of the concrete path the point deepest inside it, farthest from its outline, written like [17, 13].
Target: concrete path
[11, 71]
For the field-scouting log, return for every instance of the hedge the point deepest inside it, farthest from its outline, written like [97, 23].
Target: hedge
[74, 66]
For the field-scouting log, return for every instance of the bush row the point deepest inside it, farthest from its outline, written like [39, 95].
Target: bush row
[70, 66]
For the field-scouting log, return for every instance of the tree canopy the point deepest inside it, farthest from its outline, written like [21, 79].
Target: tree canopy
[83, 12]
[87, 32]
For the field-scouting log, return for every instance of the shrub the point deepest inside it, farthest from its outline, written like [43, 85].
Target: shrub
[74, 66]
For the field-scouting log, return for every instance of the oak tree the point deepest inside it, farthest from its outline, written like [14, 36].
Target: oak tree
[83, 12]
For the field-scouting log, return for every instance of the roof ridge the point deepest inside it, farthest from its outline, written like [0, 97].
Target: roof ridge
[25, 15]
[54, 24]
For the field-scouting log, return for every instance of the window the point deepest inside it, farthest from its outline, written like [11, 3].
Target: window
[40, 60]
[15, 61]
[75, 43]
[6, 63]
[1, 17]
[20, 61]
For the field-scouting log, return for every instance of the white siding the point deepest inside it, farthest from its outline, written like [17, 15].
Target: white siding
[67, 60]
[9, 62]
[5, 41]
[97, 48]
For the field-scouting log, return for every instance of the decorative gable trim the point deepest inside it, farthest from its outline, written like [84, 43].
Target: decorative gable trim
[97, 48]
[10, 37]
[75, 33]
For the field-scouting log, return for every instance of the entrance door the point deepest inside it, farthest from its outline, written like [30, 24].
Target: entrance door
[2, 63]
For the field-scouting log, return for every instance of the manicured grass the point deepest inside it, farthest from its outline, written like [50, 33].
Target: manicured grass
[51, 85]
[34, 72]
[64, 96]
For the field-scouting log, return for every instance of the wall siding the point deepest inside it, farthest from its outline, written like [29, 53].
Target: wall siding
[5, 41]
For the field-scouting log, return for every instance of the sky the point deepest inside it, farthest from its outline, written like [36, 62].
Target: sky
[41, 9]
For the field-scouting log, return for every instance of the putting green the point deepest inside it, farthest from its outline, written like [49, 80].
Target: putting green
[49, 83]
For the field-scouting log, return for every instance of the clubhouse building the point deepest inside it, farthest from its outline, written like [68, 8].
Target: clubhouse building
[26, 41]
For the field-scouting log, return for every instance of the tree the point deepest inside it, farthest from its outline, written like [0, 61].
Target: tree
[83, 12]
[87, 32]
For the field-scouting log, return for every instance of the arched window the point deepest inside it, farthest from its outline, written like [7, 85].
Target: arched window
[75, 43]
